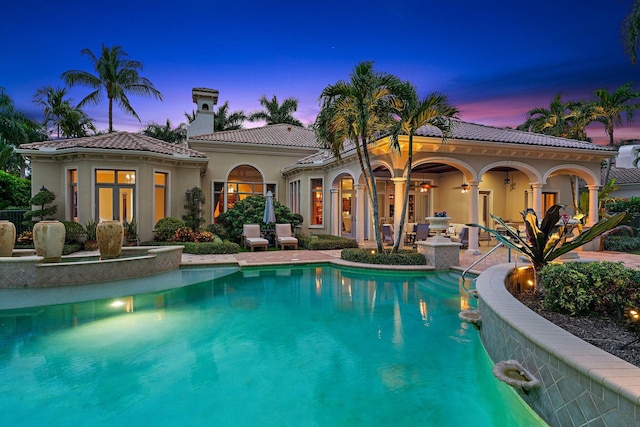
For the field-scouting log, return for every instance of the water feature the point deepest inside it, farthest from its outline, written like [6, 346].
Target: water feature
[303, 346]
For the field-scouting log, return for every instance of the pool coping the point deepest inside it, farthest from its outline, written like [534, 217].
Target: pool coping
[580, 382]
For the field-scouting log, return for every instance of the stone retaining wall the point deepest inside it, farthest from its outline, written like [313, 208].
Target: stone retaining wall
[582, 385]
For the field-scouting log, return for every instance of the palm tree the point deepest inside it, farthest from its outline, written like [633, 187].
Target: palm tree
[166, 132]
[223, 120]
[116, 75]
[609, 107]
[76, 123]
[274, 112]
[359, 110]
[54, 105]
[433, 110]
[631, 31]
[558, 120]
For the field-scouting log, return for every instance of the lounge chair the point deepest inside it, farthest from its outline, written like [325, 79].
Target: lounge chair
[462, 238]
[251, 237]
[284, 236]
[387, 234]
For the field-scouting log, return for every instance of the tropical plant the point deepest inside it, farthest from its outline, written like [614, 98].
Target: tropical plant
[603, 195]
[225, 120]
[545, 241]
[274, 112]
[90, 229]
[166, 132]
[359, 111]
[116, 75]
[433, 110]
[131, 230]
[193, 218]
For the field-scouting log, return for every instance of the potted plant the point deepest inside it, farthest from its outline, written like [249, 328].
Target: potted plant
[131, 233]
[91, 242]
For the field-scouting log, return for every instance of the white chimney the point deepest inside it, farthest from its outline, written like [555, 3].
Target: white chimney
[205, 99]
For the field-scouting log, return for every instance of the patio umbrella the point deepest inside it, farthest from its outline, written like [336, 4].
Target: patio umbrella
[269, 212]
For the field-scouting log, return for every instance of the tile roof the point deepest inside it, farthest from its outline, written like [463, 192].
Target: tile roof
[278, 135]
[116, 141]
[623, 176]
[476, 132]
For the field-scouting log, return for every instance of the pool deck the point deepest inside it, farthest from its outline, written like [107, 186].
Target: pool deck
[467, 258]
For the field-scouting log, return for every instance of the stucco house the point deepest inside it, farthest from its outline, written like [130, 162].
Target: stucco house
[481, 170]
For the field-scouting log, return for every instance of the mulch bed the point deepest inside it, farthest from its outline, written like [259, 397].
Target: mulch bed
[600, 331]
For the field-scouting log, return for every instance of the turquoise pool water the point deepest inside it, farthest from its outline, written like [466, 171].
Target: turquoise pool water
[303, 346]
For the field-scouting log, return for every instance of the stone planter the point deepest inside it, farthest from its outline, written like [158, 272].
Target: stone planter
[48, 239]
[438, 224]
[7, 237]
[110, 235]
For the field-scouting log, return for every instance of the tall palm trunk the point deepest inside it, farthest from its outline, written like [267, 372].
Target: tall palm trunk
[405, 203]
[110, 115]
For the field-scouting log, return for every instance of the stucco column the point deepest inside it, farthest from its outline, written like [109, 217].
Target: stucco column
[360, 214]
[537, 199]
[593, 204]
[398, 189]
[474, 194]
[336, 220]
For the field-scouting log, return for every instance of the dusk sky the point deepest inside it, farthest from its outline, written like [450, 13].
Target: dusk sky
[495, 60]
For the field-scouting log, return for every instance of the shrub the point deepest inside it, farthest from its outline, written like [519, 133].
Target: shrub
[622, 204]
[166, 228]
[251, 211]
[325, 242]
[403, 257]
[581, 288]
[204, 248]
[621, 243]
[184, 234]
[216, 229]
[74, 232]
[70, 248]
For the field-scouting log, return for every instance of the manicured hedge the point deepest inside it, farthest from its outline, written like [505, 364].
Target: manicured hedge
[403, 257]
[325, 242]
[622, 244]
[200, 248]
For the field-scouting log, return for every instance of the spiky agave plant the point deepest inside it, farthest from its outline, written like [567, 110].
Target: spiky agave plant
[553, 237]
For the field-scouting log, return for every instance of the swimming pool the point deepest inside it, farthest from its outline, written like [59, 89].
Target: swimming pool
[301, 346]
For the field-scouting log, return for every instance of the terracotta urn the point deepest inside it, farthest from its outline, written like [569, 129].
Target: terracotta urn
[110, 235]
[7, 238]
[48, 239]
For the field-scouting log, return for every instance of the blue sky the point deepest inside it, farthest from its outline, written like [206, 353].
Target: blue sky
[495, 60]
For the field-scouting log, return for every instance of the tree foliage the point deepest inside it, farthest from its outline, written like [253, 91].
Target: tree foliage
[223, 119]
[358, 111]
[273, 112]
[251, 211]
[166, 132]
[116, 76]
[14, 191]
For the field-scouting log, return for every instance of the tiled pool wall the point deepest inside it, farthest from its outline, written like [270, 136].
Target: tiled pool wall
[582, 385]
[30, 272]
